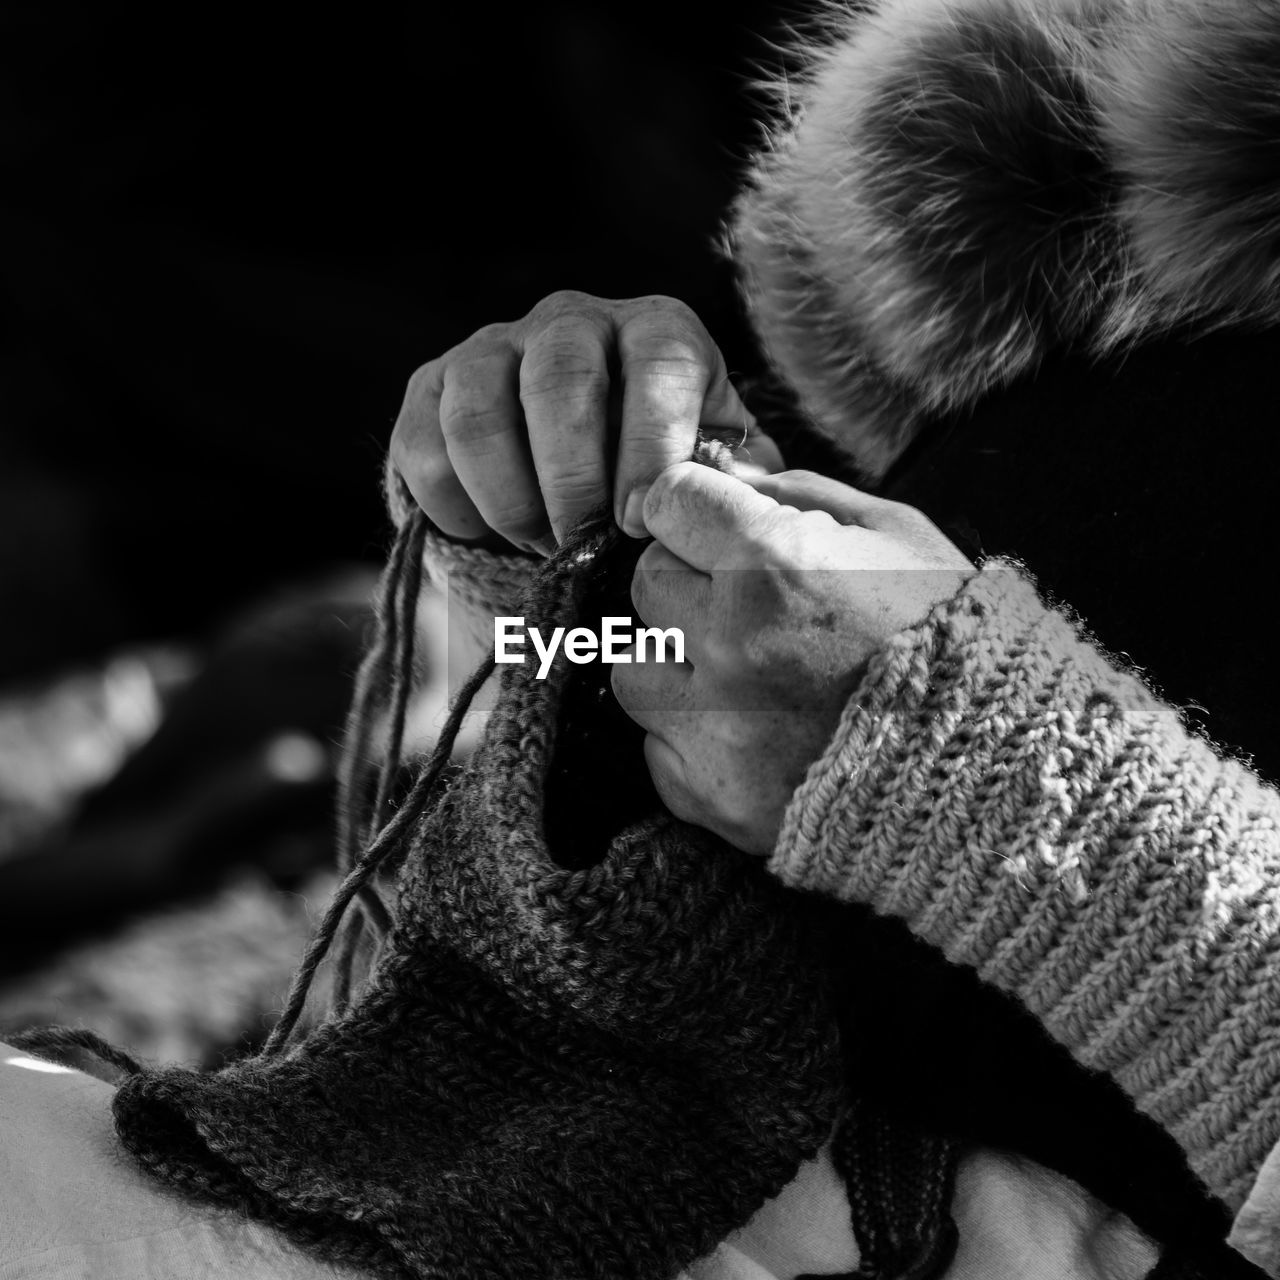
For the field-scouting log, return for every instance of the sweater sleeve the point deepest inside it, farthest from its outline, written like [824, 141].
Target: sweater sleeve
[1036, 813]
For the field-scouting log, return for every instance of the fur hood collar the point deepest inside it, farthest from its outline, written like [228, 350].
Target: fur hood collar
[954, 188]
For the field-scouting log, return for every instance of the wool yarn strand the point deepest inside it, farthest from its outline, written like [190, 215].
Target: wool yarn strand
[386, 682]
[383, 845]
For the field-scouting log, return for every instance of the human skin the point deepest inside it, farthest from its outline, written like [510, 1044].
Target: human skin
[786, 582]
[784, 587]
[511, 432]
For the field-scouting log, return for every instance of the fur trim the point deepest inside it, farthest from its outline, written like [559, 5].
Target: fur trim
[963, 185]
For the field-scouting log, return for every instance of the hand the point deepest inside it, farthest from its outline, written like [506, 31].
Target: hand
[526, 426]
[784, 586]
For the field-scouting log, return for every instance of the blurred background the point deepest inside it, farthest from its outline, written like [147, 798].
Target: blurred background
[229, 235]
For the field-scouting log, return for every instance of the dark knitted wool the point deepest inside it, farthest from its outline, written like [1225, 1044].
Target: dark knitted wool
[596, 1070]
[898, 1177]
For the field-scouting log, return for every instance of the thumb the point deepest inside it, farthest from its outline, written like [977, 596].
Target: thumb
[809, 491]
[701, 514]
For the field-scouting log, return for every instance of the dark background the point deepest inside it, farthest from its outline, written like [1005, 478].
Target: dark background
[230, 233]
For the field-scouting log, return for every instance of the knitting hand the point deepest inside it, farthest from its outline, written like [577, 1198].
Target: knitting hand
[784, 586]
[515, 431]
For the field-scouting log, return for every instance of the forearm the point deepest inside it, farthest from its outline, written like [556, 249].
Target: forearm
[1036, 814]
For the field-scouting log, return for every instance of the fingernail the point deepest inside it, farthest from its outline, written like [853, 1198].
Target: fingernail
[546, 545]
[633, 514]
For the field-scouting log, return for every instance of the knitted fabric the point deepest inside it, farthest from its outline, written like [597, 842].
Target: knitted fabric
[587, 1062]
[898, 1177]
[1036, 814]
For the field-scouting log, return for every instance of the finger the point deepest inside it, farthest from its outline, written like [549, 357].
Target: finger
[420, 454]
[655, 692]
[668, 592]
[484, 434]
[673, 381]
[810, 491]
[670, 777]
[702, 515]
[564, 389]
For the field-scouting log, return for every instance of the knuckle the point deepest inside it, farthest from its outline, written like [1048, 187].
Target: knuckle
[486, 343]
[890, 514]
[423, 386]
[672, 310]
[801, 531]
[898, 510]
[563, 302]
[925, 526]
[489, 336]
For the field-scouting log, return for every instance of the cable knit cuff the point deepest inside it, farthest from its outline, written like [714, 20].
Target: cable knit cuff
[1035, 813]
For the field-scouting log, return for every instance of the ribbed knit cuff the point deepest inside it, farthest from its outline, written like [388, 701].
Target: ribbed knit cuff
[1036, 814]
[931, 720]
